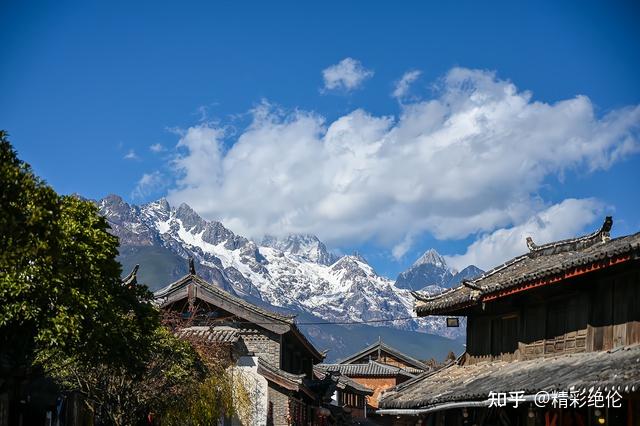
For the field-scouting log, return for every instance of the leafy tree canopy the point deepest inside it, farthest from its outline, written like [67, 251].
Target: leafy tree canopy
[60, 285]
[65, 310]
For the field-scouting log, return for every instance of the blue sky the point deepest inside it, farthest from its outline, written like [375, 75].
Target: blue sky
[87, 88]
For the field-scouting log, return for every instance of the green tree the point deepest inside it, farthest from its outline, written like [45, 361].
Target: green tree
[60, 284]
[65, 311]
[222, 392]
[118, 396]
[184, 382]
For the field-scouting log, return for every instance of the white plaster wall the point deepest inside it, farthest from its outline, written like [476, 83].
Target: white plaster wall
[257, 386]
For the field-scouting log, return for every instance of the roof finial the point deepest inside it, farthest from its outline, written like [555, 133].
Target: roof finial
[192, 267]
[531, 245]
[606, 228]
[131, 279]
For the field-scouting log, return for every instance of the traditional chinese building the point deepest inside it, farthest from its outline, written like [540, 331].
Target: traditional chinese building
[266, 345]
[556, 330]
[344, 392]
[377, 367]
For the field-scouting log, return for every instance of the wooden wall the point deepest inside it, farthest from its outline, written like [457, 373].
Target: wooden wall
[295, 357]
[594, 313]
[352, 400]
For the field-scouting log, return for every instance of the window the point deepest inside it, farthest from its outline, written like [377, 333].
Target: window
[504, 335]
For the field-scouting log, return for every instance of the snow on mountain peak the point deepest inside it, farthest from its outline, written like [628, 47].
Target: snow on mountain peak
[305, 246]
[161, 205]
[295, 272]
[351, 262]
[429, 270]
[189, 218]
[432, 257]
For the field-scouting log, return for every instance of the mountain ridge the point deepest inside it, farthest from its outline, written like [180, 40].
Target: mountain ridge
[295, 272]
[430, 271]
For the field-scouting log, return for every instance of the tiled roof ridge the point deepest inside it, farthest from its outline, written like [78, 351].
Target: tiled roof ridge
[387, 366]
[564, 265]
[466, 382]
[393, 351]
[348, 381]
[289, 319]
[426, 374]
[399, 354]
[341, 378]
[213, 334]
[275, 370]
[602, 235]
[471, 283]
[291, 381]
[393, 368]
[371, 367]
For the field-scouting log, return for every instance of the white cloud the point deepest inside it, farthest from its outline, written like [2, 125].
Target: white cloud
[404, 84]
[131, 155]
[149, 184]
[157, 148]
[564, 220]
[201, 166]
[472, 159]
[347, 75]
[400, 249]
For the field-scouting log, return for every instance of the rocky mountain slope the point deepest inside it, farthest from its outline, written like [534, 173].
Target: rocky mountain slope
[431, 272]
[295, 273]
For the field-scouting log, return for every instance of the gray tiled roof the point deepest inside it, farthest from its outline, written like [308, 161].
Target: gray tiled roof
[164, 292]
[210, 334]
[618, 369]
[294, 382]
[372, 368]
[541, 262]
[266, 316]
[342, 382]
[266, 366]
[416, 366]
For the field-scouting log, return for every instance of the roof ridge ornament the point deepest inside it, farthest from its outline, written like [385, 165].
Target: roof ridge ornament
[192, 267]
[606, 229]
[602, 235]
[132, 278]
[468, 283]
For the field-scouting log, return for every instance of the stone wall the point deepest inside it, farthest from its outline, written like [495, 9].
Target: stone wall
[280, 403]
[263, 344]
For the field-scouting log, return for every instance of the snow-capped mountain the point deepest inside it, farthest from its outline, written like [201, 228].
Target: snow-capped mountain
[431, 273]
[468, 273]
[296, 272]
[305, 247]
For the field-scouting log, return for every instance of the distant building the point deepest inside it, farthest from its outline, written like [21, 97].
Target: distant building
[377, 367]
[562, 320]
[345, 393]
[267, 346]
